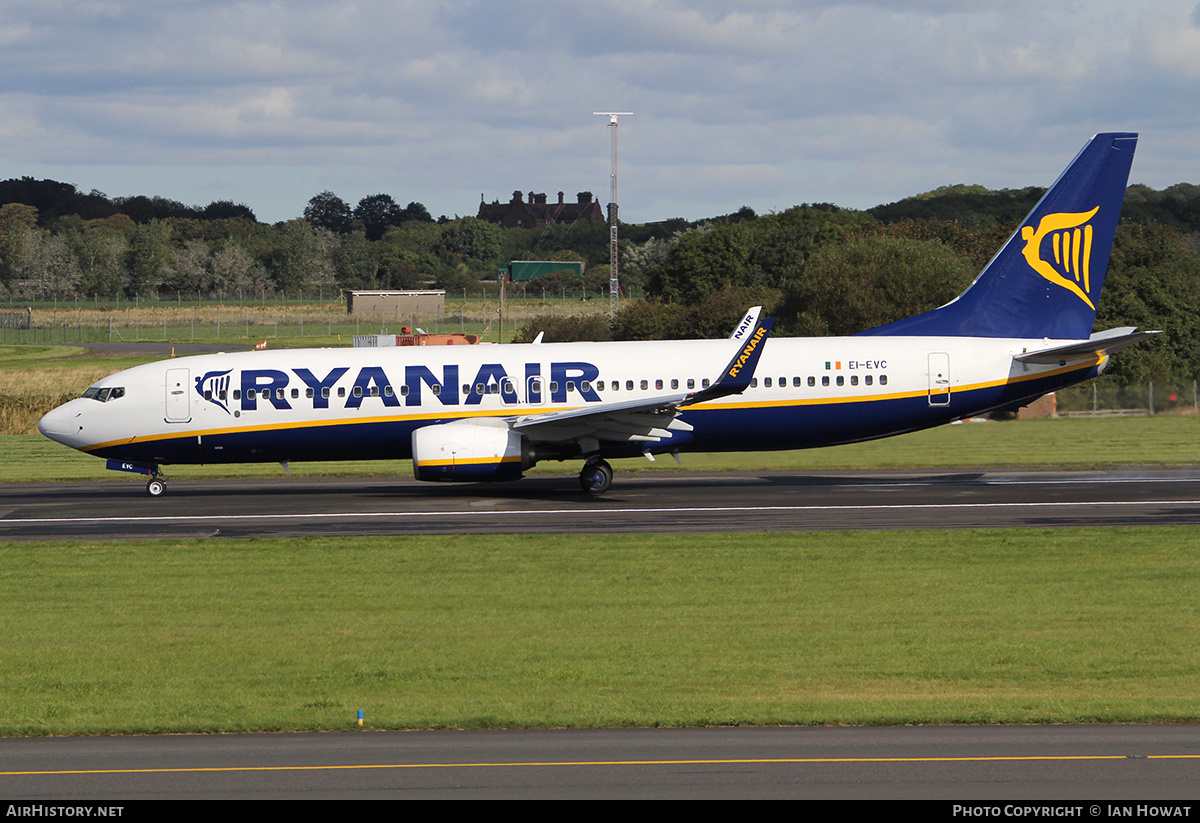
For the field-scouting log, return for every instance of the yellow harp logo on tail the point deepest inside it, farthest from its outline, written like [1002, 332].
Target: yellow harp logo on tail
[1071, 241]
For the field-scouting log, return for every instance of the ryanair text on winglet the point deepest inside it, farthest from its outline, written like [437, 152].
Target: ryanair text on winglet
[747, 352]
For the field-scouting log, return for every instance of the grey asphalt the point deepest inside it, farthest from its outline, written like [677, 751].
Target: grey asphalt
[1095, 766]
[684, 502]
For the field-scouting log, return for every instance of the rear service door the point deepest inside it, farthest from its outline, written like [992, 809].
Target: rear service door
[939, 378]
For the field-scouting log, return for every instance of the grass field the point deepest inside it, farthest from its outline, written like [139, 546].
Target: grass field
[1015, 626]
[282, 322]
[520, 631]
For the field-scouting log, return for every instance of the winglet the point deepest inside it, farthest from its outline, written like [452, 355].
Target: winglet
[737, 375]
[748, 324]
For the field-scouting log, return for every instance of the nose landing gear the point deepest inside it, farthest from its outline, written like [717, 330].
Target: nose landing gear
[157, 484]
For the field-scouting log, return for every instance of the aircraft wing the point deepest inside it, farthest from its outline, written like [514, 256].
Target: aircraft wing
[1103, 343]
[650, 419]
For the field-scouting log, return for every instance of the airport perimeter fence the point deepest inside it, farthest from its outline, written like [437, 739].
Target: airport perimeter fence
[315, 320]
[1106, 398]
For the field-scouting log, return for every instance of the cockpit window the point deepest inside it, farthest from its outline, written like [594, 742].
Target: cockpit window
[104, 394]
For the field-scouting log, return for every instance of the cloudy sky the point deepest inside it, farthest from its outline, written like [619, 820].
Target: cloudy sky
[762, 103]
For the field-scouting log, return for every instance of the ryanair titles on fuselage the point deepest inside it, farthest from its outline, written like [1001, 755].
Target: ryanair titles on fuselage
[261, 386]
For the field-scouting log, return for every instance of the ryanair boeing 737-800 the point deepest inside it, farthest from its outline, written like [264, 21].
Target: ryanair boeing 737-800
[489, 412]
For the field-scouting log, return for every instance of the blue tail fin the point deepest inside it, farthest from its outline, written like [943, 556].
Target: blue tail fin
[1046, 280]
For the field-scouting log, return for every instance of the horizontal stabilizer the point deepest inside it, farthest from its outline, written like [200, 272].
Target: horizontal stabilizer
[1102, 342]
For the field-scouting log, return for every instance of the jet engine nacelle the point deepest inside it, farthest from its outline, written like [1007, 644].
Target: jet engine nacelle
[469, 450]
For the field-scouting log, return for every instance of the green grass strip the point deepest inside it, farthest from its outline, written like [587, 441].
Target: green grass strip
[996, 626]
[1165, 440]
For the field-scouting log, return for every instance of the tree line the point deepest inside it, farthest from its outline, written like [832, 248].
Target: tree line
[820, 269]
[57, 242]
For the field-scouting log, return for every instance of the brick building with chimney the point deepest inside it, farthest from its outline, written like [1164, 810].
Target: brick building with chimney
[519, 213]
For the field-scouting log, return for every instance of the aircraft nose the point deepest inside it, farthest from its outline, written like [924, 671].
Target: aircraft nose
[60, 424]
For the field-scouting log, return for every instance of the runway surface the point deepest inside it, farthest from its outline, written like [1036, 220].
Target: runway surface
[959, 763]
[739, 502]
[1088, 763]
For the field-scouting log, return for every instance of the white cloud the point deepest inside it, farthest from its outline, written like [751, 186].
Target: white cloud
[1169, 40]
[759, 103]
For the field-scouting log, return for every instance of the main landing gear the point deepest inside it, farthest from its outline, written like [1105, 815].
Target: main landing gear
[596, 477]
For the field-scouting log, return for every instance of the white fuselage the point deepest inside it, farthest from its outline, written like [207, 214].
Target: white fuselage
[360, 403]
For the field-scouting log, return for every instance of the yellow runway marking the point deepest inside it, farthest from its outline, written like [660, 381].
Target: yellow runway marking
[542, 764]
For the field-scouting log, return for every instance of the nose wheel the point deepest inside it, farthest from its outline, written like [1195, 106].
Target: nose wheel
[596, 477]
[157, 485]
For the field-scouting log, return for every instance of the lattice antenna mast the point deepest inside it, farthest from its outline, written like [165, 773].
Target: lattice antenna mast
[613, 287]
